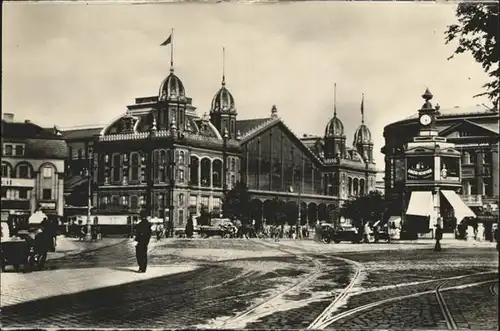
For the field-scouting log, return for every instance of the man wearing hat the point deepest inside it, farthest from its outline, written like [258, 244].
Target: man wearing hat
[142, 237]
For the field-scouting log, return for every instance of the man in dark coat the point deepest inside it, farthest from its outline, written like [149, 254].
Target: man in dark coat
[142, 237]
[439, 236]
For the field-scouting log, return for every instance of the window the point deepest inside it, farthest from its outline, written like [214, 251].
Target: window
[134, 170]
[47, 172]
[192, 200]
[124, 201]
[488, 157]
[134, 202]
[487, 187]
[23, 194]
[7, 150]
[181, 217]
[466, 158]
[80, 153]
[233, 164]
[181, 199]
[24, 171]
[19, 150]
[180, 175]
[116, 162]
[181, 157]
[104, 201]
[233, 180]
[47, 194]
[472, 157]
[5, 171]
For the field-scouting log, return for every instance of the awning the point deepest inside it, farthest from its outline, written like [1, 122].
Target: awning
[459, 207]
[420, 203]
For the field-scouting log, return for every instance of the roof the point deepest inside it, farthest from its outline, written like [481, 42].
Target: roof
[22, 130]
[39, 143]
[245, 126]
[81, 133]
[73, 182]
[457, 111]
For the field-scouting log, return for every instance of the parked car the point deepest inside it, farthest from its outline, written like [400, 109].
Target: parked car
[344, 233]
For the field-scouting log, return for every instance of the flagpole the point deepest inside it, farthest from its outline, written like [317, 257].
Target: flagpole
[172, 50]
[363, 108]
[335, 100]
[223, 65]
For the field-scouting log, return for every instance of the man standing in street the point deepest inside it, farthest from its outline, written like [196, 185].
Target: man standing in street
[439, 236]
[142, 237]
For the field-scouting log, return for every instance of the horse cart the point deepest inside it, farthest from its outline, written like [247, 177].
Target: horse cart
[27, 250]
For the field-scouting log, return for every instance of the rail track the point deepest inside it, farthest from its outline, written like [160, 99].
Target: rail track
[318, 267]
[448, 317]
[439, 288]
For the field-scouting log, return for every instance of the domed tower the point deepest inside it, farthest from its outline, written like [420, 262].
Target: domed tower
[172, 102]
[223, 110]
[334, 134]
[363, 137]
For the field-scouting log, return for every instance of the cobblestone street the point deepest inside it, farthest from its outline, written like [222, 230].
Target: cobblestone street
[259, 284]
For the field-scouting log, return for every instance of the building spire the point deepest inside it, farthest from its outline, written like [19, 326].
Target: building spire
[363, 108]
[223, 66]
[335, 100]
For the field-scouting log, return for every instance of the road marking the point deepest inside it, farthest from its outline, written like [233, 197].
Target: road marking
[347, 313]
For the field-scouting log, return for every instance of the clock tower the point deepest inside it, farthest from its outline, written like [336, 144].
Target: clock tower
[427, 116]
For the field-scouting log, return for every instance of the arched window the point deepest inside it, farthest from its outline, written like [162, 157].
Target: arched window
[181, 158]
[361, 187]
[193, 171]
[233, 180]
[205, 172]
[356, 187]
[162, 167]
[331, 184]
[349, 185]
[233, 164]
[7, 170]
[217, 173]
[24, 170]
[135, 165]
[116, 167]
[181, 200]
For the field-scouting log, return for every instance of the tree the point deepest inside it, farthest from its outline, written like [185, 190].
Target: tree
[237, 203]
[477, 33]
[367, 208]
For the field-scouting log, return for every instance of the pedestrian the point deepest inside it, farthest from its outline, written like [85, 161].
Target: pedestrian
[142, 237]
[439, 236]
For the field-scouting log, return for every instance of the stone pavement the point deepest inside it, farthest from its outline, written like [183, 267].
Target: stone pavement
[70, 246]
[19, 287]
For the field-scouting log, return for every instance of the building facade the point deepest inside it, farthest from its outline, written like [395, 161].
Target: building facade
[465, 143]
[161, 157]
[32, 170]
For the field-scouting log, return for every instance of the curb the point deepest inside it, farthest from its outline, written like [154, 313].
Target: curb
[78, 252]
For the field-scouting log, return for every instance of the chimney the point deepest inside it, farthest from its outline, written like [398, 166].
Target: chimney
[8, 117]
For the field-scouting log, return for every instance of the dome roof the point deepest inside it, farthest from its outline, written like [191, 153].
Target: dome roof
[334, 128]
[223, 101]
[362, 135]
[172, 88]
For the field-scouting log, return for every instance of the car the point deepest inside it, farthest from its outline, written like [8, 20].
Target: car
[343, 233]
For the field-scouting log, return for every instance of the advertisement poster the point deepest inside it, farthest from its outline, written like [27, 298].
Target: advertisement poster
[450, 167]
[420, 168]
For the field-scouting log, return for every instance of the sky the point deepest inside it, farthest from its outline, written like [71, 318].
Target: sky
[75, 64]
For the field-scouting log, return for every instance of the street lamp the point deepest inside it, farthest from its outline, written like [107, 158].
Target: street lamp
[298, 225]
[87, 172]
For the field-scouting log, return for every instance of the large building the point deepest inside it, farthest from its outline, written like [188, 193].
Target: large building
[472, 133]
[161, 157]
[32, 170]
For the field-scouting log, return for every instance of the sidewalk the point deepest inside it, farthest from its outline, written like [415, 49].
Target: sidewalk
[71, 246]
[19, 288]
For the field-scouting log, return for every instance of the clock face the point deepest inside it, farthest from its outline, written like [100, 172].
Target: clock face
[425, 119]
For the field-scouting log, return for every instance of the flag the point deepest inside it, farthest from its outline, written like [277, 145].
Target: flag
[168, 41]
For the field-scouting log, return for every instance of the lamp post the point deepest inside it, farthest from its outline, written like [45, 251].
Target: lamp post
[87, 172]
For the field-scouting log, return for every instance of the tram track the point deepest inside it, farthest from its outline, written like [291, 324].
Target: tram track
[318, 267]
[439, 289]
[445, 311]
